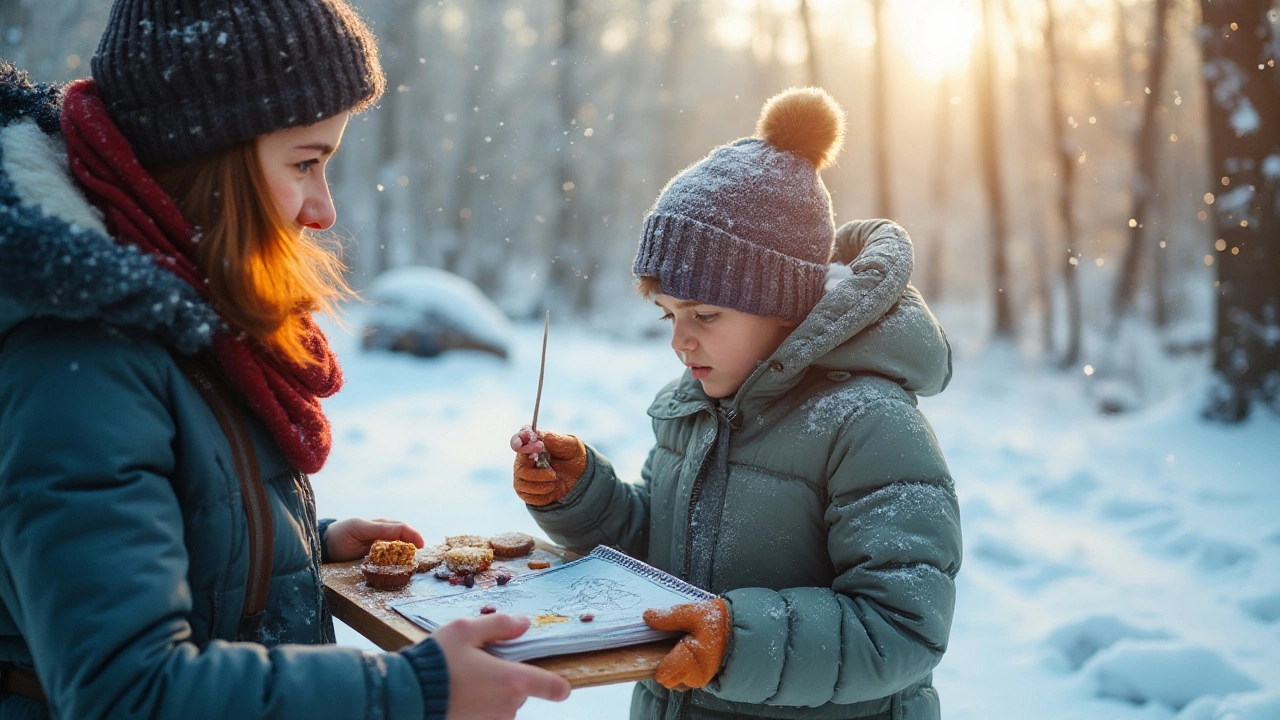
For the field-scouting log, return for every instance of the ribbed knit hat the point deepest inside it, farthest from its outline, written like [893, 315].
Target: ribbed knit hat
[185, 77]
[749, 226]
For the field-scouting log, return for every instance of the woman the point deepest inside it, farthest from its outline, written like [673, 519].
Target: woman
[160, 378]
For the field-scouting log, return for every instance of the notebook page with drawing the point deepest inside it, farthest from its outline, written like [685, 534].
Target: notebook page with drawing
[593, 603]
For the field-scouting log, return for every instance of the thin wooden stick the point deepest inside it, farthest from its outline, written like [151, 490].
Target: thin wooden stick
[542, 371]
[544, 457]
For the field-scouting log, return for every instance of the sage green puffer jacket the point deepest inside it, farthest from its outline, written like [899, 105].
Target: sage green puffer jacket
[832, 532]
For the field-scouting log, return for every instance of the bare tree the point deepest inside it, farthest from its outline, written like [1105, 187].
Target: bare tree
[685, 24]
[806, 22]
[939, 193]
[1239, 43]
[395, 50]
[990, 159]
[1066, 192]
[484, 36]
[880, 114]
[1144, 180]
[567, 273]
[1125, 48]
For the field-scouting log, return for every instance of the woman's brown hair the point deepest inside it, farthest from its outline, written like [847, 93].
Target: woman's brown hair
[264, 274]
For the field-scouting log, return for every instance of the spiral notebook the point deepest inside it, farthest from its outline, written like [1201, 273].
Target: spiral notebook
[593, 603]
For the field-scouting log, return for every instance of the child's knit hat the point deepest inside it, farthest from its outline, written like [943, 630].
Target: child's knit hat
[749, 226]
[183, 78]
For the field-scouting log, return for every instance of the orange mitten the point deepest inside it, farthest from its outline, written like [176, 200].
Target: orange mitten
[543, 486]
[696, 658]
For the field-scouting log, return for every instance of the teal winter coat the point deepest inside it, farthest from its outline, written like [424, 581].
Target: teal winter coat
[816, 501]
[123, 541]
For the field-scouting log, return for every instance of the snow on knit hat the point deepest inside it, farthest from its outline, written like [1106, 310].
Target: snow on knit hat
[185, 77]
[749, 226]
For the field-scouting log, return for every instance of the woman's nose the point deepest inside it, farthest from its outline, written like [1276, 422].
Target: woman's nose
[318, 212]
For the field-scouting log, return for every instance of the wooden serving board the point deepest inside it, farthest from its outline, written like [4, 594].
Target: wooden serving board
[366, 611]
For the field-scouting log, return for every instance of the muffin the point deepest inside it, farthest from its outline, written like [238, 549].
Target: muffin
[456, 541]
[429, 557]
[389, 565]
[511, 545]
[468, 560]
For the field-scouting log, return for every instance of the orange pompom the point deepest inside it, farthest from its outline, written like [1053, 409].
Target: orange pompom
[806, 121]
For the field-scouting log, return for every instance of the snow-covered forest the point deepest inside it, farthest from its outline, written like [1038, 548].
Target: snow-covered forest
[1093, 189]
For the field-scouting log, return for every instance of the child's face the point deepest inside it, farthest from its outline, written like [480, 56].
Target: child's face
[720, 346]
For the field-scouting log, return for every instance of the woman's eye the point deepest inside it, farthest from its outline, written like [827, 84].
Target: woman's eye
[306, 165]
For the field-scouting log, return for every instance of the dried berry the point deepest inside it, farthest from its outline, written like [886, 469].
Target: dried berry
[586, 617]
[488, 610]
[458, 579]
[470, 581]
[503, 579]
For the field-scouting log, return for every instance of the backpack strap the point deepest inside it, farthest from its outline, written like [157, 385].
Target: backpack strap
[208, 381]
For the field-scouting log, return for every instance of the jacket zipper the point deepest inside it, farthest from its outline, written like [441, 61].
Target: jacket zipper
[683, 699]
[693, 501]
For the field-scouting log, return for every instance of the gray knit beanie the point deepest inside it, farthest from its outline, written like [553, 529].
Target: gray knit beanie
[749, 226]
[185, 77]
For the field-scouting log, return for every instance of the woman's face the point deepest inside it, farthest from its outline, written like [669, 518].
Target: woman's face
[294, 161]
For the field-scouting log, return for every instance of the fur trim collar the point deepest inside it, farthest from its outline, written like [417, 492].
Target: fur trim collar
[56, 259]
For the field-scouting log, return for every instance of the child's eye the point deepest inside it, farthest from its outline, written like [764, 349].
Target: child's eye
[705, 318]
[666, 318]
[306, 165]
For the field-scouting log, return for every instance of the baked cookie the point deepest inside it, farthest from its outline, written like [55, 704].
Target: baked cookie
[455, 541]
[468, 560]
[389, 565]
[511, 545]
[429, 557]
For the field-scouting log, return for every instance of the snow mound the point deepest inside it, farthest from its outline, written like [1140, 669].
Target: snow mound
[1250, 706]
[1264, 608]
[1171, 673]
[426, 311]
[1070, 491]
[1081, 639]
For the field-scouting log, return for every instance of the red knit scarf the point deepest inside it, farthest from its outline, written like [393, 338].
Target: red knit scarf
[284, 395]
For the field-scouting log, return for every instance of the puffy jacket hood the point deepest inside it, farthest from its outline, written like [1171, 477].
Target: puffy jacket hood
[871, 322]
[879, 322]
[56, 258]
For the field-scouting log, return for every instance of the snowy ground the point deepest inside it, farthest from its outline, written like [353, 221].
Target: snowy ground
[1115, 567]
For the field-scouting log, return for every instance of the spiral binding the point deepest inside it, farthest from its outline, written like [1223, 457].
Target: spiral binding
[650, 573]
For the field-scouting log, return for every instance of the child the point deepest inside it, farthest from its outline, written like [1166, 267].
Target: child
[793, 474]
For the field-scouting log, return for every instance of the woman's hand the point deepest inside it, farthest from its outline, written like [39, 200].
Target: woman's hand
[482, 687]
[350, 539]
